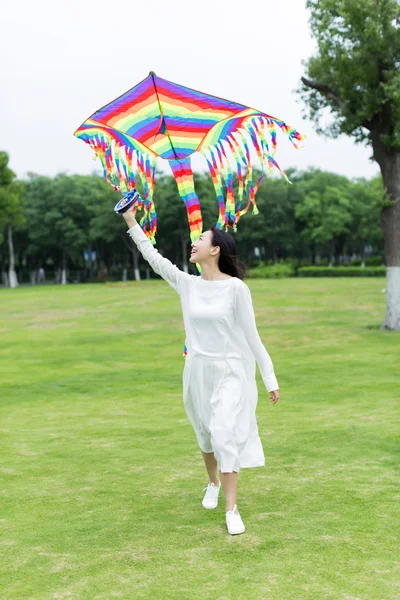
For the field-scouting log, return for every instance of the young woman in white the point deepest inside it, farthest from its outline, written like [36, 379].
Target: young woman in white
[219, 386]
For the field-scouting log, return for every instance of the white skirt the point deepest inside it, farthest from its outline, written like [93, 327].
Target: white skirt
[220, 398]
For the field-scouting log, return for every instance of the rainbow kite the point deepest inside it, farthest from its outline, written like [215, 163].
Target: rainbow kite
[158, 118]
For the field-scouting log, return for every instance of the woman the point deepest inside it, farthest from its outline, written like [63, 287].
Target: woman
[219, 387]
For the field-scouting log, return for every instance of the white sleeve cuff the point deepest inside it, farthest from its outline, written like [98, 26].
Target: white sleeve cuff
[271, 382]
[137, 233]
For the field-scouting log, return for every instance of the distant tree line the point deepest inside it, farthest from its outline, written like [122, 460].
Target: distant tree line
[64, 227]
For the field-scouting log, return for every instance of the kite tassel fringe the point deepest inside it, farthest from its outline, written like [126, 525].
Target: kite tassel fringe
[120, 159]
[260, 133]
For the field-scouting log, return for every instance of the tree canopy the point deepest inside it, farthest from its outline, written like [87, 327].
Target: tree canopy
[355, 72]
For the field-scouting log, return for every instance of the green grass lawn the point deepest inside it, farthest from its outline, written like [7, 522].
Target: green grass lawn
[102, 477]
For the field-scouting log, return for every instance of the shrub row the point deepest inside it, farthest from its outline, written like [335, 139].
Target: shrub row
[290, 270]
[273, 272]
[341, 272]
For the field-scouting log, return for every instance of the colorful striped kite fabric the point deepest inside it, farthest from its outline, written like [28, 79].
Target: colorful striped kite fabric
[158, 118]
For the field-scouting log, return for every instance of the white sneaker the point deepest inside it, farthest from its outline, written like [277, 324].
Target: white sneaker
[210, 499]
[234, 522]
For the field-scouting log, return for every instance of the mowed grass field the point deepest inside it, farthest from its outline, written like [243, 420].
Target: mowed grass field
[102, 478]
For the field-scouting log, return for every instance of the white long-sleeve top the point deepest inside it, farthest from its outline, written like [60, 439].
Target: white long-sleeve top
[218, 315]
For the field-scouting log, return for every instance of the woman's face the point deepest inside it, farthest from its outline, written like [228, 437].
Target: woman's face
[202, 248]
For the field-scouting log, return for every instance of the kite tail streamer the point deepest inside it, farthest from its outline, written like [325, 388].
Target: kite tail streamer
[252, 128]
[216, 179]
[146, 168]
[222, 168]
[240, 190]
[249, 178]
[240, 162]
[128, 167]
[111, 168]
[182, 172]
[140, 166]
[243, 157]
[272, 133]
[235, 153]
[230, 212]
[150, 168]
[99, 150]
[120, 167]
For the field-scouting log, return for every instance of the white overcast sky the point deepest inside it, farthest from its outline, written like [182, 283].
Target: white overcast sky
[63, 59]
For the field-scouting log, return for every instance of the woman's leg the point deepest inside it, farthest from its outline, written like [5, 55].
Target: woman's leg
[211, 466]
[229, 485]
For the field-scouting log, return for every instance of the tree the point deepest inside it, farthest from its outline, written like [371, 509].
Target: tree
[355, 75]
[276, 201]
[58, 213]
[365, 227]
[107, 229]
[324, 210]
[40, 243]
[11, 210]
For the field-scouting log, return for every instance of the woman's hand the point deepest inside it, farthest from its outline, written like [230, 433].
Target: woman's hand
[129, 217]
[274, 396]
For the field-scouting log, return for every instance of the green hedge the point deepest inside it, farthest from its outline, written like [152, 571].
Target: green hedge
[281, 270]
[277, 271]
[341, 272]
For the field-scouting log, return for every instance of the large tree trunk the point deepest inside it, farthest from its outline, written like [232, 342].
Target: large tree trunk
[389, 163]
[12, 275]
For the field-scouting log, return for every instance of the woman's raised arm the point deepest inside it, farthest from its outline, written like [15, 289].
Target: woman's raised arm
[160, 265]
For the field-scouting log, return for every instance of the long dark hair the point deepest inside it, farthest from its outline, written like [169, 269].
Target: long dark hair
[227, 262]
